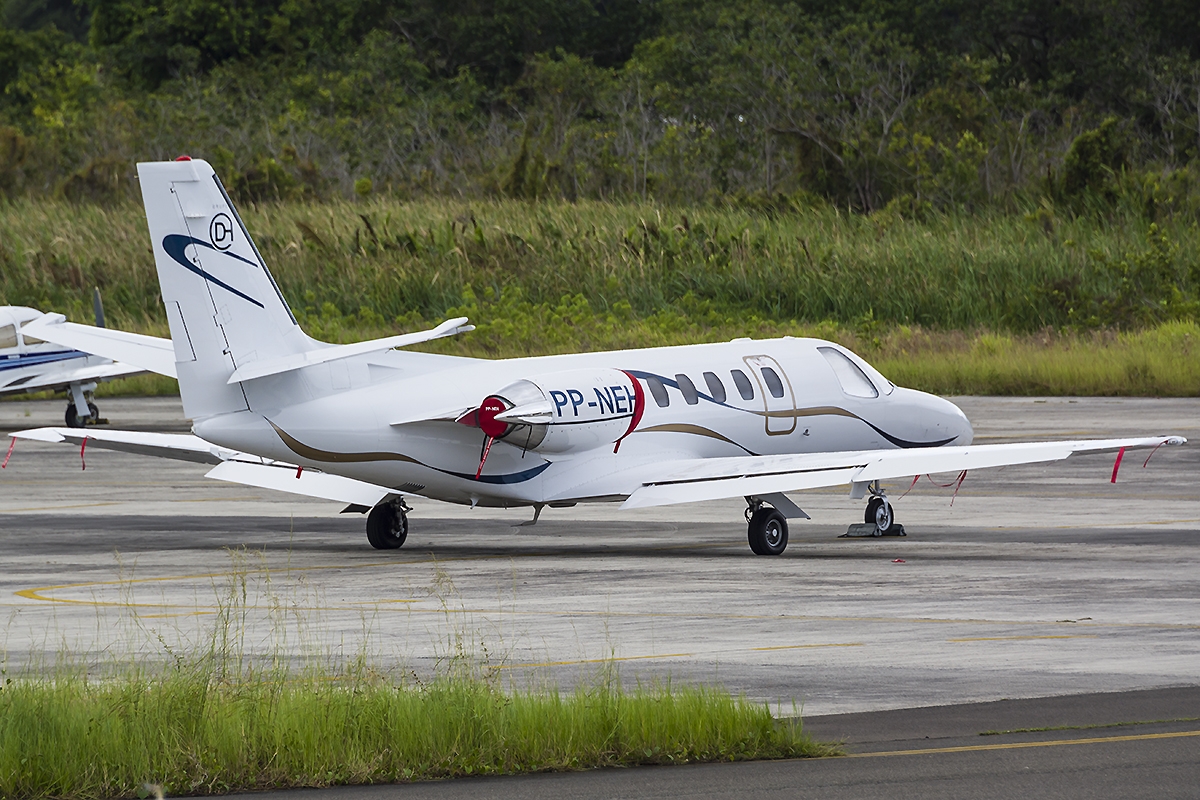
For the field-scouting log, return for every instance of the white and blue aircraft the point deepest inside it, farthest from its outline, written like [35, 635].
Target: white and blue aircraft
[368, 423]
[29, 364]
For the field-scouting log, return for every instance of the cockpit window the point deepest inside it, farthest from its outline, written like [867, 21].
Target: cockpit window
[854, 382]
[774, 385]
[658, 390]
[688, 389]
[8, 336]
[715, 387]
[744, 387]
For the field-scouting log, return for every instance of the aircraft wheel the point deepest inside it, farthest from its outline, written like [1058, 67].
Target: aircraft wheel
[881, 514]
[387, 525]
[767, 532]
[72, 417]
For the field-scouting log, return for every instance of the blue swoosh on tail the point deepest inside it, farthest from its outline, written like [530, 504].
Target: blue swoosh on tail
[175, 244]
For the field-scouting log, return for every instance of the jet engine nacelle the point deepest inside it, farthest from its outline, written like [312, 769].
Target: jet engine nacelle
[564, 412]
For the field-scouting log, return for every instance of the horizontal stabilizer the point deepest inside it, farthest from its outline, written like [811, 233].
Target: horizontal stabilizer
[309, 483]
[148, 353]
[740, 476]
[274, 366]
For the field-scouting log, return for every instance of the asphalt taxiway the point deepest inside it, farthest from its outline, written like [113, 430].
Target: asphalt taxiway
[1032, 582]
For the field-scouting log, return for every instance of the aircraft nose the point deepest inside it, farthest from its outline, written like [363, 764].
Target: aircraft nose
[957, 423]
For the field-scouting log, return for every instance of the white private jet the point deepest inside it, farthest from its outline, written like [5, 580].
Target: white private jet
[29, 364]
[368, 423]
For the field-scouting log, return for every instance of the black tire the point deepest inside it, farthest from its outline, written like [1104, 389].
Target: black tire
[387, 526]
[72, 418]
[874, 516]
[767, 532]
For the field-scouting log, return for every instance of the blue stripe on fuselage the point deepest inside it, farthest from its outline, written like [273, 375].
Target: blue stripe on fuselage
[33, 359]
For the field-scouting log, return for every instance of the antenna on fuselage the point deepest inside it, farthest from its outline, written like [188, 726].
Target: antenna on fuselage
[98, 307]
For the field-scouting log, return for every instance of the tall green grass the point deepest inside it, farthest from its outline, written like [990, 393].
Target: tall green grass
[993, 303]
[192, 732]
[383, 262]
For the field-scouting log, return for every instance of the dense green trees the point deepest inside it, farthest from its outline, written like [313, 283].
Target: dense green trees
[901, 107]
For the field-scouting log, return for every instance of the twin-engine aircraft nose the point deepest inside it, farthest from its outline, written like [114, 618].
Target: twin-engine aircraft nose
[929, 419]
[959, 423]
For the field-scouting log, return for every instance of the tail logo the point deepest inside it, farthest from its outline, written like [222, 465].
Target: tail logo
[176, 245]
[220, 232]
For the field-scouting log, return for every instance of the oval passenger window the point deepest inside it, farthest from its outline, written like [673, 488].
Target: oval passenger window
[774, 385]
[688, 389]
[744, 387]
[658, 390]
[715, 387]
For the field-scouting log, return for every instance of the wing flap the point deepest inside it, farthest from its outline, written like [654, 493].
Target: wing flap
[309, 483]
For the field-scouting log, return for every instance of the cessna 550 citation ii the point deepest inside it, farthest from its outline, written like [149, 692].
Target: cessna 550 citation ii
[367, 424]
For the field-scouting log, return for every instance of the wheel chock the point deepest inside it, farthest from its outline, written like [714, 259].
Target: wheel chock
[868, 530]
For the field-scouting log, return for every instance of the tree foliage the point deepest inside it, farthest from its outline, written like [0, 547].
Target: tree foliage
[901, 107]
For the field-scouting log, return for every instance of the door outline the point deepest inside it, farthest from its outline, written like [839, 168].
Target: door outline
[778, 410]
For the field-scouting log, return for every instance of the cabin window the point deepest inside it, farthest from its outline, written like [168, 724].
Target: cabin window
[715, 387]
[852, 379]
[774, 385]
[744, 386]
[30, 341]
[658, 390]
[688, 389]
[8, 336]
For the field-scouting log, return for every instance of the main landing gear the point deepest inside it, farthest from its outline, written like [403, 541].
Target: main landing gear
[387, 524]
[767, 529]
[81, 411]
[73, 419]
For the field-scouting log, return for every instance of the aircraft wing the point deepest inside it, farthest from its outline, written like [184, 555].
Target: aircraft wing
[179, 446]
[148, 353]
[230, 465]
[61, 379]
[740, 476]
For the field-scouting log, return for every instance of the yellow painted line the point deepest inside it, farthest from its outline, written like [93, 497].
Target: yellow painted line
[807, 646]
[594, 661]
[1023, 638]
[1023, 745]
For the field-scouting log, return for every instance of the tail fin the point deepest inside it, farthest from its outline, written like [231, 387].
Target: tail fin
[223, 306]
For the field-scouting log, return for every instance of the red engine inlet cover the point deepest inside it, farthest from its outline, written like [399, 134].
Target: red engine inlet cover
[488, 410]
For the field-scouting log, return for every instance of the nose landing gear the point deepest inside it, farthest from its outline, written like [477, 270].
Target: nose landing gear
[879, 518]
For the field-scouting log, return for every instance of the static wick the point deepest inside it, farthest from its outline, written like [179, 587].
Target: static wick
[1152, 452]
[11, 445]
[1117, 464]
[962, 476]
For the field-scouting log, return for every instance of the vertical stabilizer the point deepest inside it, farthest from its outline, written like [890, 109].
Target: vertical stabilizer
[223, 306]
